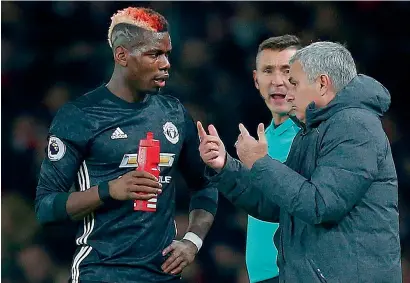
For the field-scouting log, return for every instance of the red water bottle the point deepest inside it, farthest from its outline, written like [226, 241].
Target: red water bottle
[148, 161]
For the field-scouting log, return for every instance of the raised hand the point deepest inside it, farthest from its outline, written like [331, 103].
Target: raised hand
[211, 148]
[248, 148]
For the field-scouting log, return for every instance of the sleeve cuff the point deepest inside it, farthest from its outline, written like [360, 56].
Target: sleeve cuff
[59, 206]
[203, 203]
[229, 167]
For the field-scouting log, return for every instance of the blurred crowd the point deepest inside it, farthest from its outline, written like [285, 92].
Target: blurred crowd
[53, 52]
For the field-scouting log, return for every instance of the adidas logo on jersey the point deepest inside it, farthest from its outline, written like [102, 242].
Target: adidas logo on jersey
[118, 134]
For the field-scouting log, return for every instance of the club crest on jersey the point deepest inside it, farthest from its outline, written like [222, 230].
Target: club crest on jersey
[56, 149]
[171, 132]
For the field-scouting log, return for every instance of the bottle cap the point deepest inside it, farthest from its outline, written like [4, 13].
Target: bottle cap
[149, 141]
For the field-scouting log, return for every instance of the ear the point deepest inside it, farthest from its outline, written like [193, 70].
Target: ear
[324, 84]
[121, 56]
[255, 80]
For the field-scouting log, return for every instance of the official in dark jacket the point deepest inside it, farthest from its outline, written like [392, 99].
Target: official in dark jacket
[336, 197]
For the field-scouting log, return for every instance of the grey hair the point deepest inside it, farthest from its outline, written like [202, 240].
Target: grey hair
[328, 58]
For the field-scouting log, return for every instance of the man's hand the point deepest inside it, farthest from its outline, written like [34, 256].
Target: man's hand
[135, 185]
[248, 149]
[183, 254]
[211, 148]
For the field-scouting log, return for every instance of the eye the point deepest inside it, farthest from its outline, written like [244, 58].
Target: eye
[267, 71]
[286, 71]
[154, 55]
[292, 82]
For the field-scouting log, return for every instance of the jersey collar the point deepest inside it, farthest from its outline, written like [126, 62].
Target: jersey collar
[282, 127]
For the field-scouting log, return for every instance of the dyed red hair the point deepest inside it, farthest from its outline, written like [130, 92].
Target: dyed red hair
[141, 17]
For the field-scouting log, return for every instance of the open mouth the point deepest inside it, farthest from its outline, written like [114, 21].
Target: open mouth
[160, 82]
[277, 96]
[161, 79]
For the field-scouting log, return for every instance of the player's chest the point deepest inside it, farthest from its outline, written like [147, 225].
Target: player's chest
[117, 143]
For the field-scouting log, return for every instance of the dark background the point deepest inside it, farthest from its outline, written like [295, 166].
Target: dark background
[53, 52]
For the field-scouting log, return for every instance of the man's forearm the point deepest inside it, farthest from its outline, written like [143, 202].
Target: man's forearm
[55, 207]
[202, 207]
[234, 182]
[200, 221]
[80, 204]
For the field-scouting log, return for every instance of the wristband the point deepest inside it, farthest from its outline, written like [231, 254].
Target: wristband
[104, 192]
[192, 237]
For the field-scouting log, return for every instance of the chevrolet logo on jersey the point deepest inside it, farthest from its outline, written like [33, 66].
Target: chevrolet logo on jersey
[131, 160]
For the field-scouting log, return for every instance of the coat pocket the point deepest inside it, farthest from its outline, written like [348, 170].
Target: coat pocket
[317, 271]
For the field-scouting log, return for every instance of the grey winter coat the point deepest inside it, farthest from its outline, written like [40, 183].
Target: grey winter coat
[336, 196]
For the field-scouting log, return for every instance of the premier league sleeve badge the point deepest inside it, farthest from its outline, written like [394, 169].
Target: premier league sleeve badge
[56, 149]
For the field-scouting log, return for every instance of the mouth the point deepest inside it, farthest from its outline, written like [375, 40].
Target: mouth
[277, 96]
[160, 80]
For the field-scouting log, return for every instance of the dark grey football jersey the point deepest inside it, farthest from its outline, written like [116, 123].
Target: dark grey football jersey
[94, 139]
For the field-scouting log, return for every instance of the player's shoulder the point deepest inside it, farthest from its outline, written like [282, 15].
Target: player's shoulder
[89, 98]
[75, 109]
[171, 104]
[169, 100]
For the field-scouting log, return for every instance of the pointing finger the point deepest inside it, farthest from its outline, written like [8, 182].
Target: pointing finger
[201, 130]
[244, 131]
[261, 133]
[213, 131]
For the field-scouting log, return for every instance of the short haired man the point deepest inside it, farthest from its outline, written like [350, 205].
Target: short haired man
[95, 139]
[337, 193]
[271, 80]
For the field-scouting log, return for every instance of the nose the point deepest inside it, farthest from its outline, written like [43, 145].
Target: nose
[164, 63]
[278, 79]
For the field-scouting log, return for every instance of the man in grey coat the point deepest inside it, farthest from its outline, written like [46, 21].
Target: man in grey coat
[336, 197]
